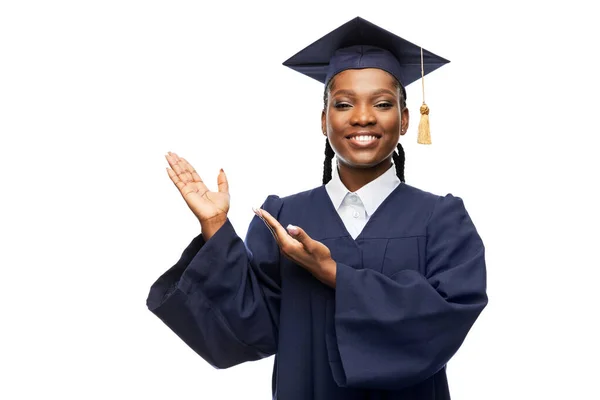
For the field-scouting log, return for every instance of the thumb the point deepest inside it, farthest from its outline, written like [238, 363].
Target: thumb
[298, 233]
[222, 182]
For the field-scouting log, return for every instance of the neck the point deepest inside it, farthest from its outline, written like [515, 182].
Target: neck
[355, 178]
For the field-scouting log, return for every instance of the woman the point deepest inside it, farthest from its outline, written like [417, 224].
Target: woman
[376, 290]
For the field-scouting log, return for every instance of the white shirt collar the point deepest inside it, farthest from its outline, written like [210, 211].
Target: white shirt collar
[371, 195]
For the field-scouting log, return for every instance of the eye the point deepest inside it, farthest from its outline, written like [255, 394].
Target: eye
[342, 105]
[385, 104]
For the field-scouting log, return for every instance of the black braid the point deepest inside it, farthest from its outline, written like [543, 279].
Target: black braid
[327, 163]
[398, 157]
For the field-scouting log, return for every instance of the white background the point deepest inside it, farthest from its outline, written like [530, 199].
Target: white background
[93, 93]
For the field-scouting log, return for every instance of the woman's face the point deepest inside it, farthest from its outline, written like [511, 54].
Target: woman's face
[363, 118]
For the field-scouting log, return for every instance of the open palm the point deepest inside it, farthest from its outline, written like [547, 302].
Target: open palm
[206, 205]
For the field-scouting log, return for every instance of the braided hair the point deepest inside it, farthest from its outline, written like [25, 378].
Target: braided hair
[398, 156]
[327, 164]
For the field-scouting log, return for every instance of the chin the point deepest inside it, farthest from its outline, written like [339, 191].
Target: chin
[363, 162]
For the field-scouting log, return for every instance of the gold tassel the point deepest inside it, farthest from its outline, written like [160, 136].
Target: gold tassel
[424, 133]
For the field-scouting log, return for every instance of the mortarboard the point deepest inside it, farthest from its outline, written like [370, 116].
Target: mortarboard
[361, 44]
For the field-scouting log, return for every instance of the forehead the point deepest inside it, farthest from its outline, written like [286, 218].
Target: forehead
[367, 78]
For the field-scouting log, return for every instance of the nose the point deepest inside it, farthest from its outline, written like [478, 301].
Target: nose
[363, 115]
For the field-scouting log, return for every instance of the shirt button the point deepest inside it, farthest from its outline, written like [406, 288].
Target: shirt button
[355, 214]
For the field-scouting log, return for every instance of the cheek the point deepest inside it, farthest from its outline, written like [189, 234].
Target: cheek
[391, 123]
[336, 121]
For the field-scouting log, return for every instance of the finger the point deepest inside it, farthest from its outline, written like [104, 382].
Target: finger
[175, 156]
[260, 215]
[175, 178]
[300, 235]
[182, 185]
[284, 238]
[222, 182]
[188, 167]
[178, 166]
[173, 161]
[199, 185]
[267, 225]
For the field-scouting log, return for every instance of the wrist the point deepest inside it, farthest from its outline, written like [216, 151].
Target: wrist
[327, 273]
[210, 227]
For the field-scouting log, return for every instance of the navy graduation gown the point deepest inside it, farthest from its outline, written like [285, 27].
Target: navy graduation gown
[408, 290]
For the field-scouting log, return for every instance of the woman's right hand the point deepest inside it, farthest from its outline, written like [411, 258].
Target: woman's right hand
[209, 207]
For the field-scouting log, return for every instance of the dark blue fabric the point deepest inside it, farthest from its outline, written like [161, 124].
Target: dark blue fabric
[361, 44]
[408, 290]
[358, 57]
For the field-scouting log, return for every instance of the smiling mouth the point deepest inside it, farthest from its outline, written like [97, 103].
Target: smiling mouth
[363, 138]
[363, 141]
[364, 135]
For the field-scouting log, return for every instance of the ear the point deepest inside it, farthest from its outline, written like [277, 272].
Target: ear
[404, 122]
[323, 123]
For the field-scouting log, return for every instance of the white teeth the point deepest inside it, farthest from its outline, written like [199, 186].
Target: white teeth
[364, 138]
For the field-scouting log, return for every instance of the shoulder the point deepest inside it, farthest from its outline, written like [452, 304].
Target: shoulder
[434, 203]
[422, 197]
[295, 201]
[419, 194]
[297, 198]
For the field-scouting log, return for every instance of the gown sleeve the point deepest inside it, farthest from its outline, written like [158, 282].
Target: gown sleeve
[222, 297]
[392, 333]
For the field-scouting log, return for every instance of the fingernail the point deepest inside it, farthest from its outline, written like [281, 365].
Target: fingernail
[222, 170]
[293, 229]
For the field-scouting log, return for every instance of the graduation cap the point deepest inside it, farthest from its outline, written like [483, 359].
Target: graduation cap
[361, 44]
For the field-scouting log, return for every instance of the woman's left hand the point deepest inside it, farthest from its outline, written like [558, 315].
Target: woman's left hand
[296, 245]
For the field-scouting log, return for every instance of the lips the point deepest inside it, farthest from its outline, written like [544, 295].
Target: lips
[363, 139]
[363, 134]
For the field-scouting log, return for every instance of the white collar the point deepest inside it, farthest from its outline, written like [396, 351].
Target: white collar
[371, 195]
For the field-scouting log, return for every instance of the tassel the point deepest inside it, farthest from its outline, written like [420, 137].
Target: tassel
[424, 133]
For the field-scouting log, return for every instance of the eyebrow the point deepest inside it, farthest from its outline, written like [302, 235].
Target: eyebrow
[352, 93]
